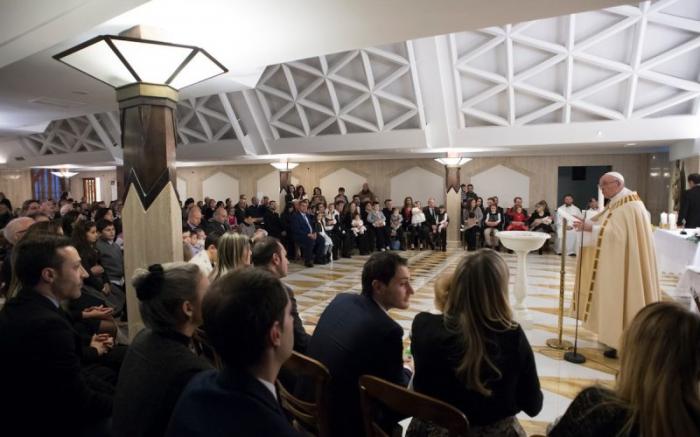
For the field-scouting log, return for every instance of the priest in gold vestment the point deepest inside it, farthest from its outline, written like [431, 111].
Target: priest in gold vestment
[617, 264]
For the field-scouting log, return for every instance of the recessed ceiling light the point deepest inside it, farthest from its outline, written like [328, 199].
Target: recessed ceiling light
[631, 144]
[80, 93]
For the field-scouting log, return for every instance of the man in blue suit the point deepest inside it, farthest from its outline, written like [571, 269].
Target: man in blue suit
[305, 235]
[356, 336]
[248, 320]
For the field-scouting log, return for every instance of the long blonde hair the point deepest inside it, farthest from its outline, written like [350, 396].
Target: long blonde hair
[233, 250]
[660, 371]
[477, 303]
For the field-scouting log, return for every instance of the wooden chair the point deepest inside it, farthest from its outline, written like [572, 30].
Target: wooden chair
[310, 417]
[376, 391]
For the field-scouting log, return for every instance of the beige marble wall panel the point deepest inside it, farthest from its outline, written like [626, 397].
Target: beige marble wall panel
[106, 178]
[543, 171]
[17, 186]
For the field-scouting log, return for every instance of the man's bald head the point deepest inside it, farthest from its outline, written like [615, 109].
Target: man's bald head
[194, 216]
[15, 229]
[611, 183]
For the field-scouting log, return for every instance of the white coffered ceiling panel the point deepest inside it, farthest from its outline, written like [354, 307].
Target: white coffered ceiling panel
[611, 76]
[368, 90]
[621, 63]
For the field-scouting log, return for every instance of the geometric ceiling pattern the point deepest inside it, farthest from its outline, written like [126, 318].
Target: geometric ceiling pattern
[205, 119]
[621, 63]
[72, 135]
[367, 90]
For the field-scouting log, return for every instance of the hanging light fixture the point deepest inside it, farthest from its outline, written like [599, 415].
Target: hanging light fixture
[122, 61]
[284, 166]
[453, 161]
[64, 174]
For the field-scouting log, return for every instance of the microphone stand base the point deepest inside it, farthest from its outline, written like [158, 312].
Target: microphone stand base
[574, 357]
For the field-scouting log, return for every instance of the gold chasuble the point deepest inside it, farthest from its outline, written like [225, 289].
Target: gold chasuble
[618, 268]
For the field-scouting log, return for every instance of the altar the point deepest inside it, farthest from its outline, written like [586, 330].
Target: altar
[674, 252]
[677, 255]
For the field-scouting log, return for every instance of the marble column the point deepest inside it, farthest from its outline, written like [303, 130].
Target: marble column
[151, 214]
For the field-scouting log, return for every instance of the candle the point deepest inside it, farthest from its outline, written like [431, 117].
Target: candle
[672, 221]
[601, 200]
[664, 220]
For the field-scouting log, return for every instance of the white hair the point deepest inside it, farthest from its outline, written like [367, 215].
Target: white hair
[617, 176]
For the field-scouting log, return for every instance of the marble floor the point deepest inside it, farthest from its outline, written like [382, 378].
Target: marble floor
[560, 380]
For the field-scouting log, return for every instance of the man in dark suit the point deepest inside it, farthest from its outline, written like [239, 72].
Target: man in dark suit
[248, 319]
[431, 221]
[356, 336]
[270, 254]
[44, 391]
[689, 215]
[218, 224]
[305, 237]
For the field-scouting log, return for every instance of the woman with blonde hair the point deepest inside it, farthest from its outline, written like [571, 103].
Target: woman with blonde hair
[656, 393]
[234, 251]
[475, 356]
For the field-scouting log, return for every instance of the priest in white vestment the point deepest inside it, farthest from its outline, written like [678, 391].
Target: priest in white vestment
[567, 211]
[618, 264]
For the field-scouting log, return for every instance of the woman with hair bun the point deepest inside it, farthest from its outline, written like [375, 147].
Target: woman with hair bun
[160, 361]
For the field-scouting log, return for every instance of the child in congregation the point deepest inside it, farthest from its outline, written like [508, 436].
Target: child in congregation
[444, 220]
[321, 230]
[395, 223]
[518, 220]
[376, 217]
[417, 220]
[358, 226]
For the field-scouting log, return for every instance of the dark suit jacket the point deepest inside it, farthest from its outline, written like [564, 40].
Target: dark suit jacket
[431, 219]
[214, 227]
[301, 337]
[228, 403]
[354, 336]
[155, 371]
[298, 226]
[272, 224]
[43, 390]
[690, 208]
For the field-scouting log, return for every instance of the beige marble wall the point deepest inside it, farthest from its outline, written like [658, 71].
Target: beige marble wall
[543, 171]
[17, 186]
[692, 165]
[106, 179]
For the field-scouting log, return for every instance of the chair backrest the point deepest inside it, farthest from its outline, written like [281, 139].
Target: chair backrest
[376, 392]
[309, 416]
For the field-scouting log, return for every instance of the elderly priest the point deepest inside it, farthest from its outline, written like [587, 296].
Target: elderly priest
[618, 265]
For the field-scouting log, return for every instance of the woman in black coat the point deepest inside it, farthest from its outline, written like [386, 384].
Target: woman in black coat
[160, 361]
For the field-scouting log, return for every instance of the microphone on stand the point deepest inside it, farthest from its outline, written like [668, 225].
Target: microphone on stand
[574, 356]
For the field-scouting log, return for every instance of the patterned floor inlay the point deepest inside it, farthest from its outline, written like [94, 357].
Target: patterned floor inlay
[560, 380]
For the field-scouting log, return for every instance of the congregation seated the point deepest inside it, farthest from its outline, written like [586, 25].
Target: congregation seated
[305, 236]
[160, 362]
[541, 221]
[355, 336]
[656, 392]
[475, 356]
[45, 391]
[247, 318]
[493, 222]
[232, 251]
[207, 258]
